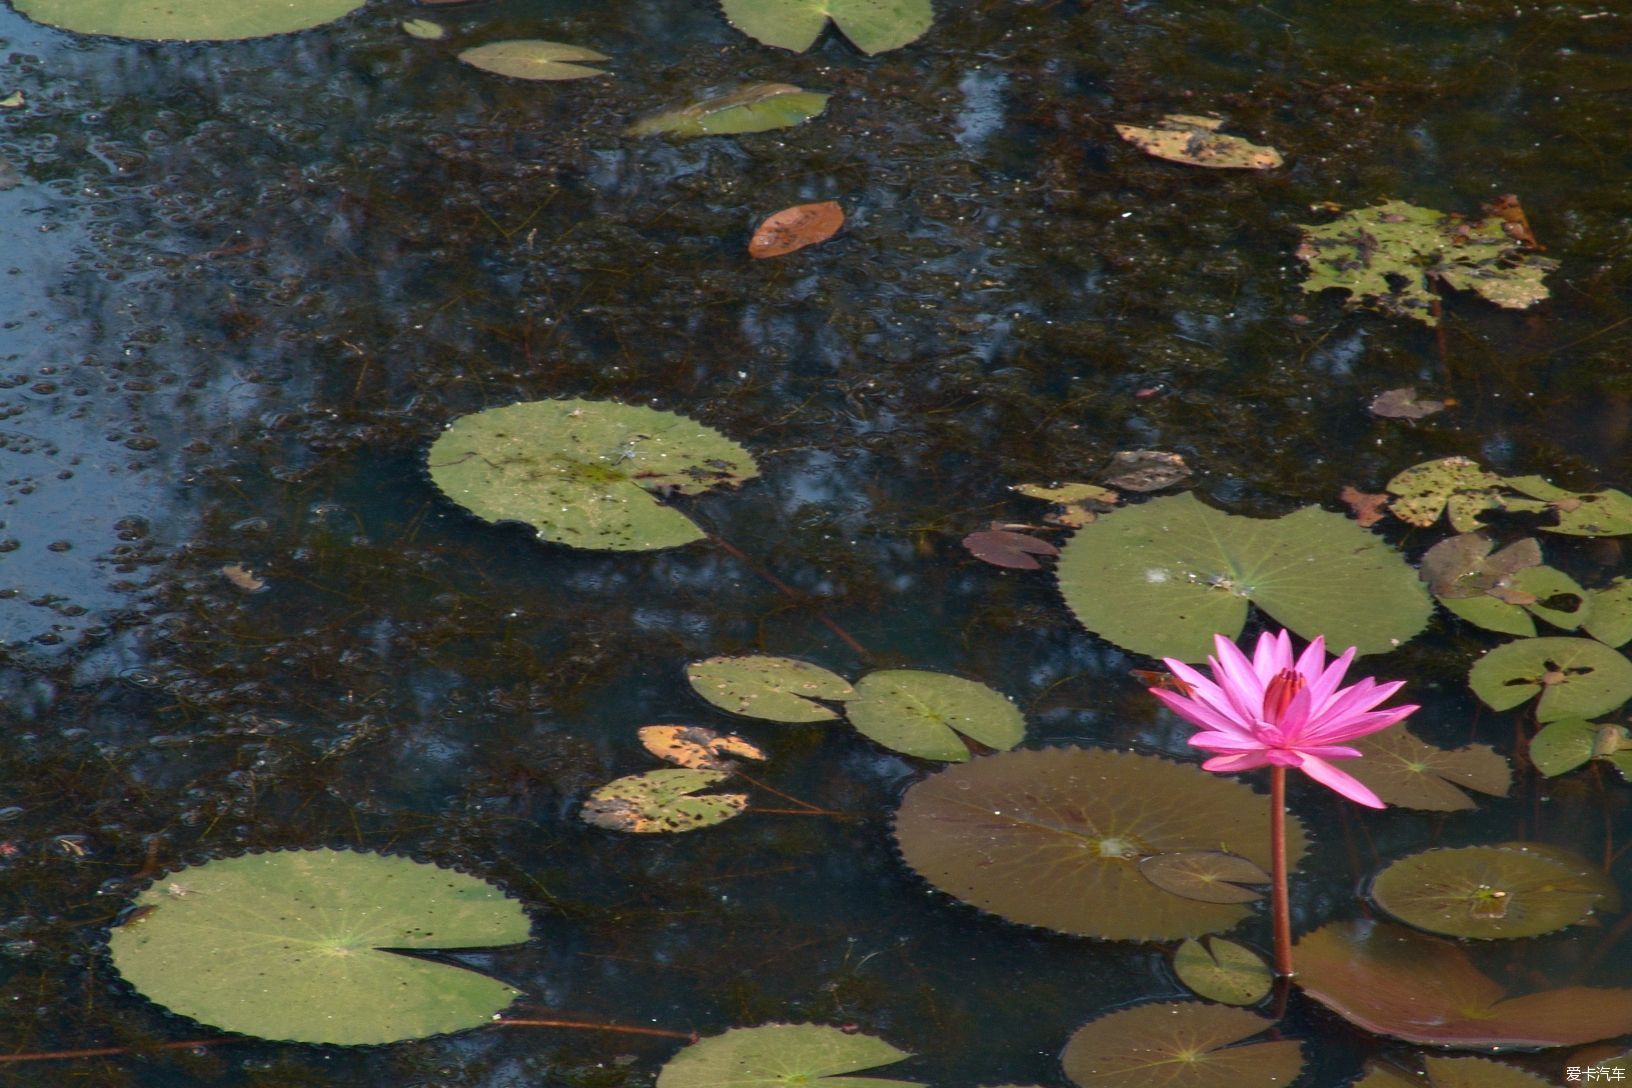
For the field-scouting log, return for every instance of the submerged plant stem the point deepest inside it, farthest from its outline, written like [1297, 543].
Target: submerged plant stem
[1280, 898]
[591, 1025]
[111, 1051]
[790, 593]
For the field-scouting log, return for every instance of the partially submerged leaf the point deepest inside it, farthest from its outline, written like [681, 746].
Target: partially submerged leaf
[1403, 404]
[185, 20]
[534, 59]
[1002, 548]
[1576, 677]
[1401, 770]
[778, 689]
[1451, 1073]
[757, 107]
[1179, 1045]
[695, 747]
[1210, 876]
[1196, 141]
[243, 578]
[926, 714]
[873, 26]
[1488, 892]
[1145, 470]
[1223, 971]
[424, 29]
[660, 802]
[795, 228]
[1075, 504]
[782, 1056]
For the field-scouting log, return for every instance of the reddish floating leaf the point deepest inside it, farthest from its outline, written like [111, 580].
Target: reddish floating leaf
[1367, 505]
[1001, 548]
[795, 228]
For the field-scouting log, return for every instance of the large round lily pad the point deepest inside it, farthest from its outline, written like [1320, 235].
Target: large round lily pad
[1402, 770]
[780, 1056]
[1577, 677]
[585, 473]
[1181, 1044]
[290, 945]
[1054, 838]
[924, 714]
[1162, 578]
[185, 20]
[1487, 891]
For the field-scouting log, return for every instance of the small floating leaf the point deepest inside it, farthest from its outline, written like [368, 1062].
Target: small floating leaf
[290, 945]
[1451, 1073]
[1401, 770]
[1611, 619]
[780, 1056]
[659, 802]
[1054, 838]
[1145, 470]
[1576, 677]
[531, 58]
[185, 20]
[695, 747]
[924, 714]
[778, 689]
[1563, 745]
[1403, 404]
[874, 26]
[424, 29]
[1487, 892]
[1075, 504]
[1210, 876]
[758, 107]
[1223, 971]
[1179, 1045]
[1196, 141]
[1002, 548]
[795, 228]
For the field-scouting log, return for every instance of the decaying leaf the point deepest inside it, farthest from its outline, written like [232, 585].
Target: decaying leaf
[757, 107]
[659, 802]
[1403, 404]
[1196, 141]
[795, 228]
[424, 29]
[695, 747]
[1075, 504]
[1145, 470]
[242, 577]
[1456, 483]
[1367, 505]
[1002, 548]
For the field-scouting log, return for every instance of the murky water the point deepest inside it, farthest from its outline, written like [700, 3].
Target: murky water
[243, 285]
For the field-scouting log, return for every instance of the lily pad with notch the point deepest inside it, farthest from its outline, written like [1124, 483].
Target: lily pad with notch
[185, 20]
[1003, 548]
[1567, 743]
[534, 59]
[1439, 1072]
[1576, 677]
[926, 714]
[778, 689]
[1611, 619]
[1223, 971]
[1179, 1044]
[756, 107]
[297, 945]
[662, 802]
[780, 1056]
[1054, 838]
[1579, 513]
[1454, 484]
[584, 473]
[1402, 770]
[873, 26]
[1490, 892]
[1210, 876]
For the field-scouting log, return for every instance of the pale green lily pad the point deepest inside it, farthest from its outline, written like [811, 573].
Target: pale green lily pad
[1390, 256]
[1566, 744]
[1487, 892]
[778, 689]
[1455, 483]
[288, 945]
[1611, 619]
[1580, 513]
[1223, 971]
[924, 714]
[1075, 504]
[1558, 598]
[1181, 1044]
[585, 473]
[1162, 577]
[1451, 1073]
[1402, 770]
[1576, 677]
[757, 107]
[532, 58]
[873, 26]
[782, 1056]
[662, 802]
[185, 20]
[1210, 876]
[424, 29]
[1492, 614]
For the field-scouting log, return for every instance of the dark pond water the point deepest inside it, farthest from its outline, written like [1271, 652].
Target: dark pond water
[243, 285]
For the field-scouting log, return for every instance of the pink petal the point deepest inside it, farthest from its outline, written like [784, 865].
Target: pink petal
[1359, 726]
[1202, 689]
[1326, 684]
[1227, 742]
[1330, 751]
[1272, 654]
[1342, 782]
[1197, 713]
[1246, 761]
[1236, 676]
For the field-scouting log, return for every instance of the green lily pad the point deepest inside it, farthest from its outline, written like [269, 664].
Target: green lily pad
[531, 58]
[1580, 513]
[424, 29]
[1459, 485]
[1389, 257]
[1492, 614]
[1566, 744]
[290, 945]
[585, 473]
[1402, 770]
[1486, 892]
[1055, 838]
[1557, 598]
[1577, 677]
[662, 802]
[1075, 504]
[1223, 971]
[1161, 578]
[873, 26]
[757, 107]
[1395, 981]
[1611, 619]
[778, 689]
[1451, 1073]
[924, 714]
[185, 20]
[1210, 876]
[1179, 1044]
[782, 1056]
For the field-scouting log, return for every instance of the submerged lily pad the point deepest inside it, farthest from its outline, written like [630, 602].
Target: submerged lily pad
[1210, 876]
[1488, 891]
[1163, 577]
[757, 107]
[1223, 971]
[1182, 1044]
[778, 689]
[925, 714]
[1075, 504]
[185, 20]
[874, 26]
[1395, 981]
[1440, 1072]
[532, 58]
[585, 473]
[1463, 565]
[1055, 838]
[1577, 677]
[1196, 141]
[780, 1056]
[290, 945]
[1401, 770]
[662, 802]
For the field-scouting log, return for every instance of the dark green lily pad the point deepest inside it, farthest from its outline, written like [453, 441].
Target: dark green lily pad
[778, 689]
[1440, 1072]
[873, 26]
[1553, 596]
[757, 107]
[662, 802]
[1566, 744]
[1577, 677]
[1054, 838]
[1161, 578]
[1456, 484]
[1464, 566]
[1210, 876]
[1580, 513]
[185, 20]
[1492, 614]
[1223, 971]
[1611, 619]
[1180, 1044]
[1395, 981]
[925, 714]
[534, 59]
[1401, 770]
[586, 473]
[289, 945]
[782, 1056]
[1486, 892]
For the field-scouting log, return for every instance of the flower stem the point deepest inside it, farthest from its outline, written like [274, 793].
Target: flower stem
[1280, 903]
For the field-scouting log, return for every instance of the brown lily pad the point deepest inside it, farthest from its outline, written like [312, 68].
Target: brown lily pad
[1403, 404]
[1179, 1044]
[695, 747]
[1145, 470]
[1440, 1072]
[1488, 892]
[795, 228]
[1402, 770]
[1210, 876]
[1463, 566]
[1002, 548]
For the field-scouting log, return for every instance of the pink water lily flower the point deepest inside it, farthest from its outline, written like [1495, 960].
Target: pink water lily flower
[1273, 711]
